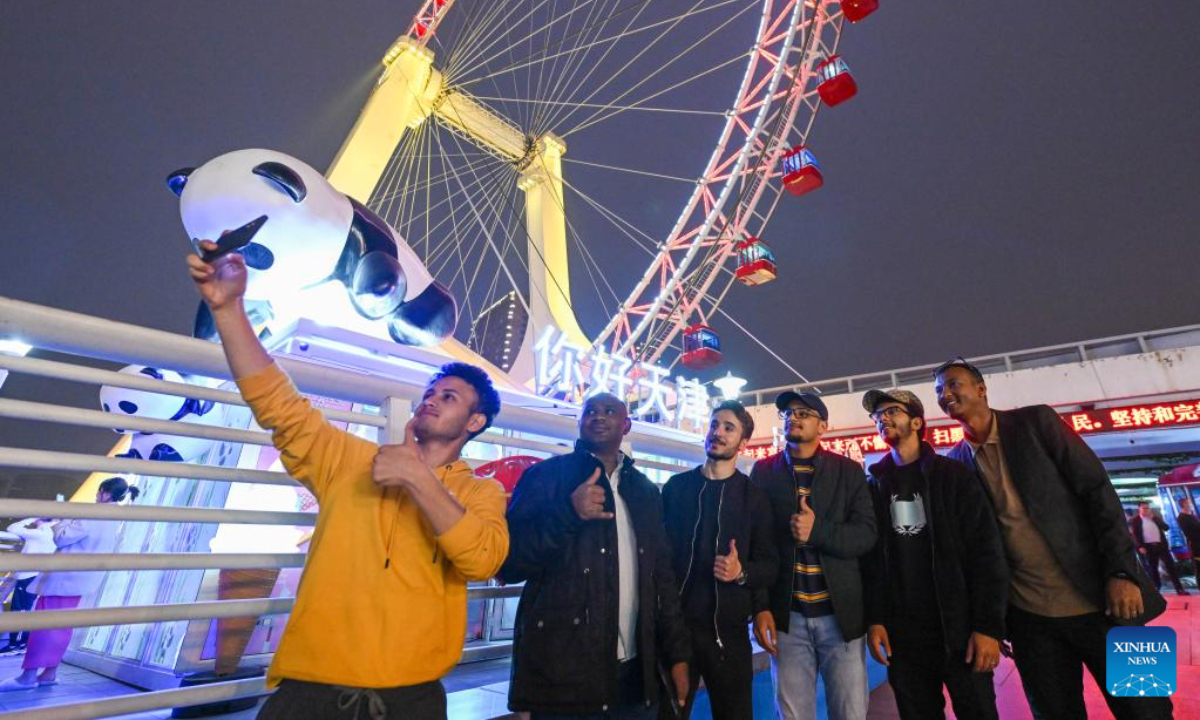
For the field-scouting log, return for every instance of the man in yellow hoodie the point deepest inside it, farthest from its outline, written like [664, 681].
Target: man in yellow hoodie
[380, 614]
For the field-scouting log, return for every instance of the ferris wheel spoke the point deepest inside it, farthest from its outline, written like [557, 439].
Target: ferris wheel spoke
[568, 83]
[486, 230]
[605, 106]
[644, 173]
[623, 225]
[476, 56]
[529, 60]
[662, 67]
[475, 30]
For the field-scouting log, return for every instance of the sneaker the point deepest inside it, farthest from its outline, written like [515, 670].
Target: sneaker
[10, 649]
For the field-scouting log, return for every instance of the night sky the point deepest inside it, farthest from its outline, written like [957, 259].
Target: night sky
[1005, 179]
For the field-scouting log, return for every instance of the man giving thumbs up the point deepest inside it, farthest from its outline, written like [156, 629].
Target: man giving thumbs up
[599, 614]
[719, 526]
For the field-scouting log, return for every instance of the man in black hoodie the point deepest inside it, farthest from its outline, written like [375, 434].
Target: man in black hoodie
[600, 606]
[937, 582]
[719, 527]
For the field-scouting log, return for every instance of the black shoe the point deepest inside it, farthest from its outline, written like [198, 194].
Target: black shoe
[10, 649]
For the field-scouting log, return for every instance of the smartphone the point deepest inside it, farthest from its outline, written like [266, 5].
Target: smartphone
[233, 240]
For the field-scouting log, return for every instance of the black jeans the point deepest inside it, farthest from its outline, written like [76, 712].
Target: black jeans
[1154, 553]
[630, 706]
[920, 666]
[728, 673]
[298, 700]
[1049, 653]
[22, 600]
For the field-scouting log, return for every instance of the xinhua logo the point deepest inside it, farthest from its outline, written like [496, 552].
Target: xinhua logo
[1141, 662]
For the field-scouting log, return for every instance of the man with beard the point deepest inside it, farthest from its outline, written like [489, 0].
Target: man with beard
[823, 523]
[1073, 570]
[937, 581]
[719, 527]
[401, 529]
[600, 605]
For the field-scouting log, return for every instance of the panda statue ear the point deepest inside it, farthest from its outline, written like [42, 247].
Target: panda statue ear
[287, 179]
[178, 179]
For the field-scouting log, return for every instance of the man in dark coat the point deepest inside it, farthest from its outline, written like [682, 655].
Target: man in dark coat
[1150, 537]
[823, 523]
[1070, 554]
[719, 527]
[1190, 527]
[937, 582]
[600, 607]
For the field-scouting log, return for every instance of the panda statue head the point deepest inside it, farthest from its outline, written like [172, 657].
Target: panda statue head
[157, 406]
[313, 234]
[293, 250]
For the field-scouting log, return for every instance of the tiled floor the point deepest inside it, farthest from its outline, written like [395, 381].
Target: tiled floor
[479, 691]
[1183, 614]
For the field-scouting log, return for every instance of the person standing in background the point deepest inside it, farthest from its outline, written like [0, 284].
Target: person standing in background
[38, 534]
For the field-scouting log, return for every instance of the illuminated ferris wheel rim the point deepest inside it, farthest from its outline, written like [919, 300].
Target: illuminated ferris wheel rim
[670, 292]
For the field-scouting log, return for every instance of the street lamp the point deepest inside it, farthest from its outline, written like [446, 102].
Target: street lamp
[729, 386]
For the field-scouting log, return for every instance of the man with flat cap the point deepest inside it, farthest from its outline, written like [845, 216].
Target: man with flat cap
[824, 523]
[937, 580]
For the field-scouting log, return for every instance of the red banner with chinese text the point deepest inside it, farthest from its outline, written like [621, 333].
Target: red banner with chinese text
[1180, 413]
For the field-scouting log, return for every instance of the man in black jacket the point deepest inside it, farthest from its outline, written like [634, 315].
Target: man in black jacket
[1190, 527]
[1070, 554]
[719, 527]
[937, 581]
[823, 523]
[600, 604]
[1150, 537]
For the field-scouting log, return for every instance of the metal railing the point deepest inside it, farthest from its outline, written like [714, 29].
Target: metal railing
[1131, 344]
[95, 338]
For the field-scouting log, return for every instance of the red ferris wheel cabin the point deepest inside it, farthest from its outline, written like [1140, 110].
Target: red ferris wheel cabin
[801, 173]
[756, 262]
[836, 83]
[701, 348]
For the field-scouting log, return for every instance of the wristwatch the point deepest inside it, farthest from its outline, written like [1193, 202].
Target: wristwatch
[741, 578]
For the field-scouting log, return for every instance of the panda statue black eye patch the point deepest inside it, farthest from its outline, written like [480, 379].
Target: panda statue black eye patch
[286, 178]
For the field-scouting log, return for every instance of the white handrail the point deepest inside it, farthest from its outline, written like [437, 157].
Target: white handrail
[142, 702]
[78, 334]
[15, 562]
[151, 513]
[79, 462]
[46, 412]
[94, 376]
[135, 615]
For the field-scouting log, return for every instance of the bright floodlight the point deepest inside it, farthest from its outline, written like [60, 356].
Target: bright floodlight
[729, 386]
[10, 346]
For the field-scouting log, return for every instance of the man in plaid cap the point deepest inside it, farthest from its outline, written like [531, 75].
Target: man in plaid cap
[937, 580]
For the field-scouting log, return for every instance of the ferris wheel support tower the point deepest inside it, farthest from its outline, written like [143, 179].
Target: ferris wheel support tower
[409, 92]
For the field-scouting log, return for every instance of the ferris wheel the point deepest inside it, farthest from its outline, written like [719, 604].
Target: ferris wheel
[527, 146]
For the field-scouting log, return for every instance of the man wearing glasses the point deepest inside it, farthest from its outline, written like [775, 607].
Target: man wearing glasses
[823, 524]
[1071, 561]
[937, 578]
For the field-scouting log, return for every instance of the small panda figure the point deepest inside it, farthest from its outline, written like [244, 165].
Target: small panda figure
[314, 235]
[145, 404]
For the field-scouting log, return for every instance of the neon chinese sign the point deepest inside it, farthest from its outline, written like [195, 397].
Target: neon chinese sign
[1084, 422]
[563, 369]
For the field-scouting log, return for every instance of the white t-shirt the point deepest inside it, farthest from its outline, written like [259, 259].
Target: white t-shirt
[38, 541]
[627, 570]
[1150, 532]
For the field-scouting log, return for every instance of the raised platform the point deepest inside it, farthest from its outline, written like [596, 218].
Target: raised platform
[479, 691]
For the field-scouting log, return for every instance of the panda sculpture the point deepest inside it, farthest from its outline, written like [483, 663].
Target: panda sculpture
[314, 235]
[144, 404]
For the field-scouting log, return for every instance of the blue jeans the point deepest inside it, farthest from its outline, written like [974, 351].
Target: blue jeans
[815, 646]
